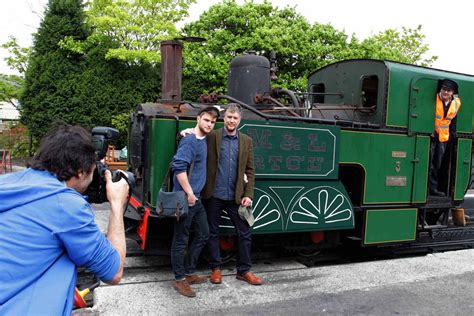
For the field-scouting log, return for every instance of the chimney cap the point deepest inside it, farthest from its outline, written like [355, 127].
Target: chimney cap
[190, 39]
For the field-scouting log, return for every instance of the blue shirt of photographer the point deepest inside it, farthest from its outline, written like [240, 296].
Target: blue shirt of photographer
[47, 229]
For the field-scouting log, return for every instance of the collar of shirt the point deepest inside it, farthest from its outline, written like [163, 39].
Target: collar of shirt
[225, 134]
[446, 103]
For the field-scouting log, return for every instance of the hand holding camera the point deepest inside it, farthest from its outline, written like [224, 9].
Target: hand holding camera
[117, 189]
[101, 189]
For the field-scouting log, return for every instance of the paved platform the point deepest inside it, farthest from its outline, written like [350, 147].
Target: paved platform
[434, 284]
[151, 292]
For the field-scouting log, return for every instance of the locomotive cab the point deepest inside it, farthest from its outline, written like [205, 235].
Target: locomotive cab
[399, 99]
[390, 156]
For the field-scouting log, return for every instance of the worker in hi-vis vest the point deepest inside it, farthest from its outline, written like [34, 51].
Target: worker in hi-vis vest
[446, 108]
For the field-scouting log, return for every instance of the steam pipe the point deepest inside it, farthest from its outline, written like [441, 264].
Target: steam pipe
[289, 93]
[297, 119]
[244, 105]
[280, 105]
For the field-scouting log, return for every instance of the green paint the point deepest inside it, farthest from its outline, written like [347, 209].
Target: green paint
[421, 169]
[294, 150]
[422, 105]
[394, 225]
[397, 98]
[160, 149]
[379, 155]
[463, 168]
[293, 206]
[296, 185]
[411, 97]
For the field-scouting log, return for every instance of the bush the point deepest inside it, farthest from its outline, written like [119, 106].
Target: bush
[15, 139]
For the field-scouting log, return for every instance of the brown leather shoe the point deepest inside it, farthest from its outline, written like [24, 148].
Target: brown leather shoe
[196, 279]
[250, 278]
[183, 288]
[216, 276]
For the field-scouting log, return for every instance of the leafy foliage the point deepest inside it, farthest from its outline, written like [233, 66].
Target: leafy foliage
[78, 88]
[120, 122]
[19, 55]
[15, 138]
[301, 48]
[232, 29]
[137, 26]
[10, 88]
[406, 47]
[92, 68]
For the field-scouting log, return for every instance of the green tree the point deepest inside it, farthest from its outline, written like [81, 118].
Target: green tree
[10, 88]
[18, 59]
[81, 88]
[301, 47]
[406, 46]
[232, 29]
[137, 26]
[50, 86]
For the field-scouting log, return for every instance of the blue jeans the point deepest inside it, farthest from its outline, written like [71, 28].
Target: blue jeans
[214, 207]
[184, 262]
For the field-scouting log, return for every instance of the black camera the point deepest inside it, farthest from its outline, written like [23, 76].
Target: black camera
[96, 192]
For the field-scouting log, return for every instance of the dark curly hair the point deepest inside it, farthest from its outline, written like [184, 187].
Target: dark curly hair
[64, 151]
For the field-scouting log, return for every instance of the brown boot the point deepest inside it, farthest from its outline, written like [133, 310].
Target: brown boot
[196, 279]
[183, 288]
[250, 278]
[216, 276]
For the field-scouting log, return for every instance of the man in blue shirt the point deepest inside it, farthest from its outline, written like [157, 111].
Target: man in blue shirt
[47, 227]
[191, 157]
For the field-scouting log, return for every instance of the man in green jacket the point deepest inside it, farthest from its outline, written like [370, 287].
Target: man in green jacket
[229, 184]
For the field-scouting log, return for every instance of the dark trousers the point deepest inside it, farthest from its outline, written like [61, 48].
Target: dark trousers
[214, 208]
[437, 155]
[184, 263]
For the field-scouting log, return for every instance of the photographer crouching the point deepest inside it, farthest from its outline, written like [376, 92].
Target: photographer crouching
[47, 227]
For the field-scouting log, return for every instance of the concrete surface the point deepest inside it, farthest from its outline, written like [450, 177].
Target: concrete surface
[432, 284]
[435, 284]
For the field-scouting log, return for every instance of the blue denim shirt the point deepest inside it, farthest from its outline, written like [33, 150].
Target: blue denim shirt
[227, 169]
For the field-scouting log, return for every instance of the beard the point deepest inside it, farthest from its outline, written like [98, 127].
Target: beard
[230, 128]
[203, 130]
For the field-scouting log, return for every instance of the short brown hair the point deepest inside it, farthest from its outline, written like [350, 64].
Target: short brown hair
[211, 110]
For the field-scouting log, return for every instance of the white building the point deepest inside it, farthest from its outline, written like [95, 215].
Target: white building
[8, 113]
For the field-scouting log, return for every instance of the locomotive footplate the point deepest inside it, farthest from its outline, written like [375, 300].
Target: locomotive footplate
[447, 236]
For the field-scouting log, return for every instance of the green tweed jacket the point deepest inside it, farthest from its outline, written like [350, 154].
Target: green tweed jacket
[246, 166]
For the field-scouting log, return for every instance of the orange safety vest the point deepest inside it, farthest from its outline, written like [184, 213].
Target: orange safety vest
[442, 123]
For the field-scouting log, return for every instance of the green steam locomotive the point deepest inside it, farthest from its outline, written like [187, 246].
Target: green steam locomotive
[346, 162]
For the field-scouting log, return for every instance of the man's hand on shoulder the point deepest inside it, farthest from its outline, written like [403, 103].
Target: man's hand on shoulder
[186, 132]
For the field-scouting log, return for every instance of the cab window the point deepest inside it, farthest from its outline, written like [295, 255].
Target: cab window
[369, 92]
